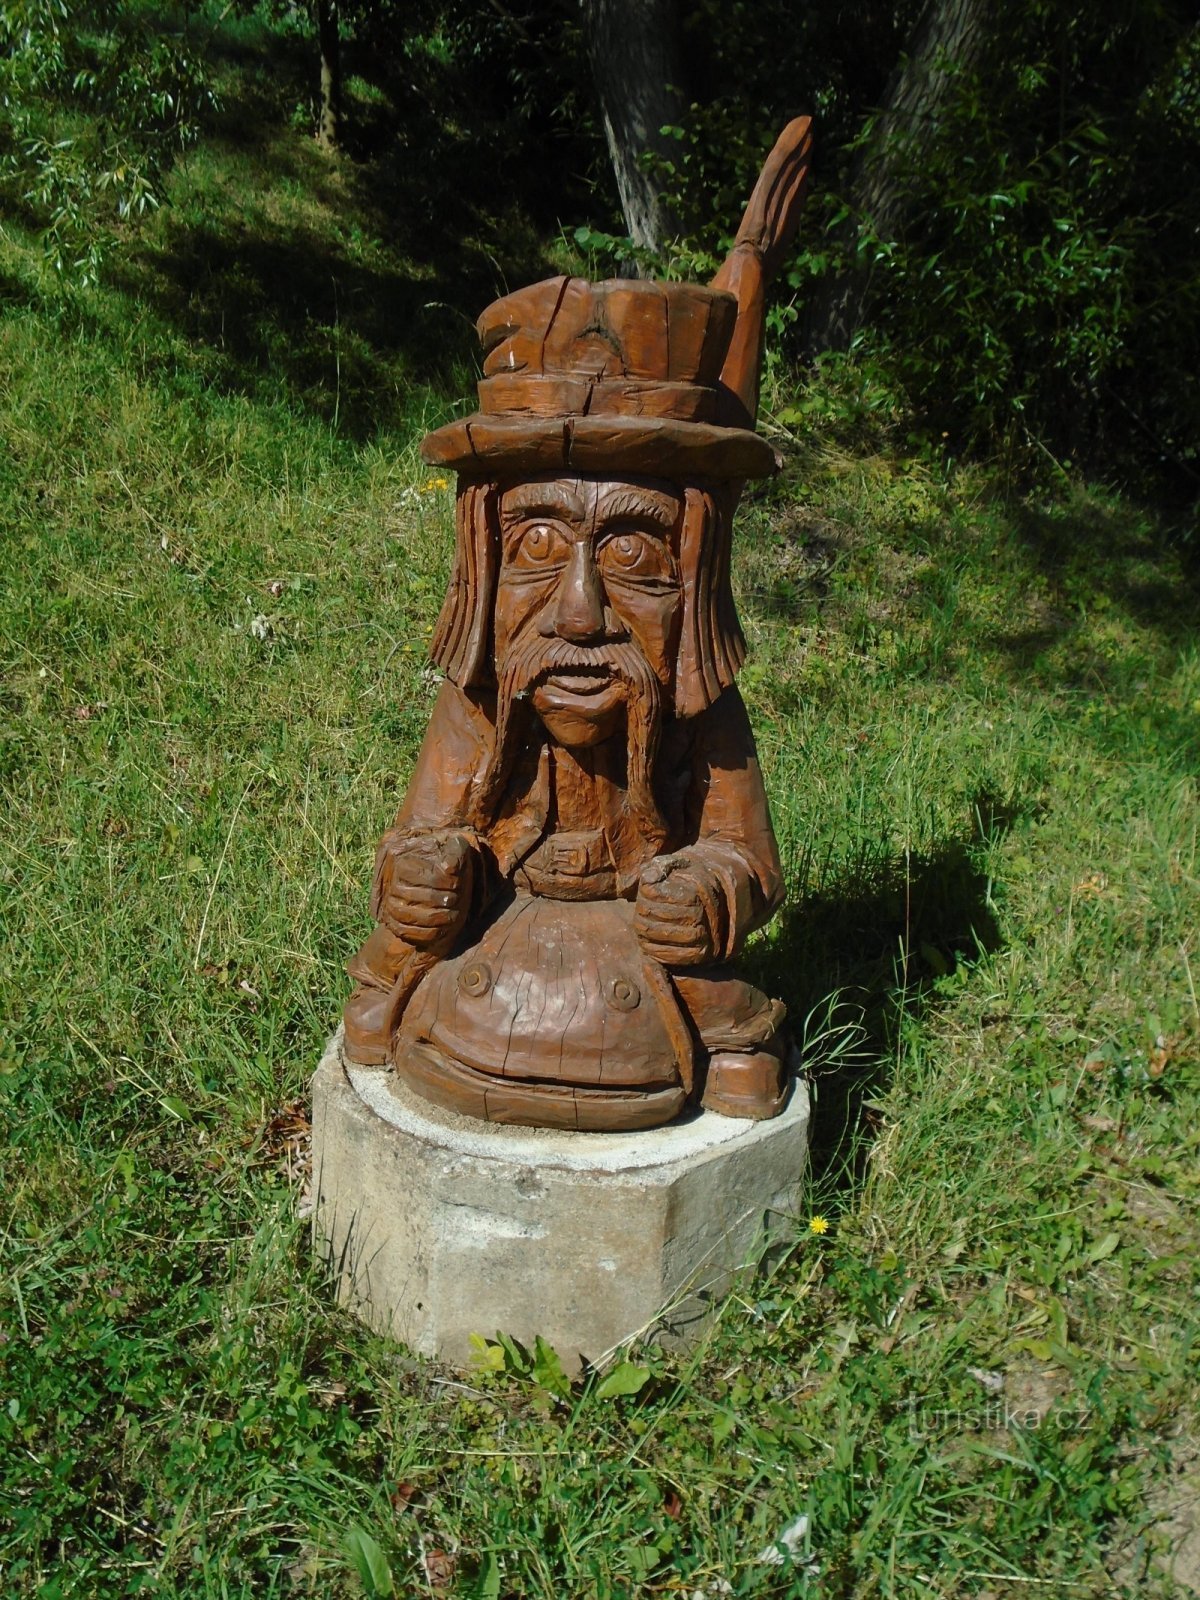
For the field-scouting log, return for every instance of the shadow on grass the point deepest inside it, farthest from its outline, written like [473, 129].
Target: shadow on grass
[1145, 567]
[339, 284]
[346, 280]
[858, 961]
[285, 307]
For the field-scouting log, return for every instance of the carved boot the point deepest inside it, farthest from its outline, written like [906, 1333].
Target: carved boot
[745, 1083]
[741, 1028]
[370, 1015]
[368, 1018]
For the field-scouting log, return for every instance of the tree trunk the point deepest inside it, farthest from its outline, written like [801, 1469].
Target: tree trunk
[329, 126]
[949, 38]
[633, 48]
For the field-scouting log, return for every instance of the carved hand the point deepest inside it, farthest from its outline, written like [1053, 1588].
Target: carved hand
[423, 886]
[680, 917]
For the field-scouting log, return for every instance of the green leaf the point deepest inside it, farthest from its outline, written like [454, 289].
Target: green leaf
[515, 1358]
[548, 1369]
[623, 1379]
[176, 1107]
[486, 1357]
[723, 1425]
[123, 1168]
[489, 1578]
[1103, 1248]
[934, 959]
[642, 1559]
[369, 1562]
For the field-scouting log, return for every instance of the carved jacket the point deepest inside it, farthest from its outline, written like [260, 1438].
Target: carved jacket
[707, 784]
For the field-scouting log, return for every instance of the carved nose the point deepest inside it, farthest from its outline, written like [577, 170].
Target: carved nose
[579, 613]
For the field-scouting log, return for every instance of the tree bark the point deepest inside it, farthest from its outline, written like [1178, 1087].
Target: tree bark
[329, 125]
[949, 38]
[633, 49]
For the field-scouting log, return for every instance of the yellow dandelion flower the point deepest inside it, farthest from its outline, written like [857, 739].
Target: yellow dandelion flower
[818, 1225]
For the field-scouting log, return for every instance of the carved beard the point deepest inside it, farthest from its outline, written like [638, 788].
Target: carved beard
[528, 663]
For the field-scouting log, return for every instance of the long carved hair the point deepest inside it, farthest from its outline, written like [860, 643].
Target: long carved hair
[711, 645]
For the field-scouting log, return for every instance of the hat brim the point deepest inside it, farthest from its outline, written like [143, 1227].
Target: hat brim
[659, 447]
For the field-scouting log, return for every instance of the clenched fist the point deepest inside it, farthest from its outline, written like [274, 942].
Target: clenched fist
[423, 886]
[680, 916]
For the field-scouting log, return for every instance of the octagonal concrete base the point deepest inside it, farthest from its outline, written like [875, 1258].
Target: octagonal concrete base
[439, 1226]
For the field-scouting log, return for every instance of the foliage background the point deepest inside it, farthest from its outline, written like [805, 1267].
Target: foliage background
[1036, 296]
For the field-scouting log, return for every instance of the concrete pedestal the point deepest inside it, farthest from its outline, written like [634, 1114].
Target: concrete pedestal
[439, 1226]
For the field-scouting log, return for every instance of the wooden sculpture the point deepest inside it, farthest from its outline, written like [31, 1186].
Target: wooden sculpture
[586, 844]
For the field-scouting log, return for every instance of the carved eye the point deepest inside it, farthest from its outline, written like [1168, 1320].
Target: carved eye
[627, 549]
[537, 542]
[539, 545]
[634, 555]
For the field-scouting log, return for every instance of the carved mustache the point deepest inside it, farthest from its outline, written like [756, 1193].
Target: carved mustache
[537, 658]
[562, 656]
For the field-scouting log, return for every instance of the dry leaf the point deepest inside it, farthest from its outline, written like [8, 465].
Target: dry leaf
[402, 1494]
[1091, 883]
[993, 1382]
[286, 1139]
[287, 1126]
[440, 1567]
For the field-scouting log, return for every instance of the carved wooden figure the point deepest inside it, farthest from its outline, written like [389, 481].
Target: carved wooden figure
[586, 843]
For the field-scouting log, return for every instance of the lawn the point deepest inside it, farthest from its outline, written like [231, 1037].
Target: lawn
[978, 709]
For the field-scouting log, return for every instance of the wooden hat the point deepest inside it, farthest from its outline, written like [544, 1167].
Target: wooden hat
[589, 377]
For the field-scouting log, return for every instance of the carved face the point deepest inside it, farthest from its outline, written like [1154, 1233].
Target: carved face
[587, 564]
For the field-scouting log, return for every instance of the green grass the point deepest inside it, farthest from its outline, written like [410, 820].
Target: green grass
[979, 716]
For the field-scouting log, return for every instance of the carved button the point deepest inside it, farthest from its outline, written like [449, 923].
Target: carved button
[623, 994]
[475, 979]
